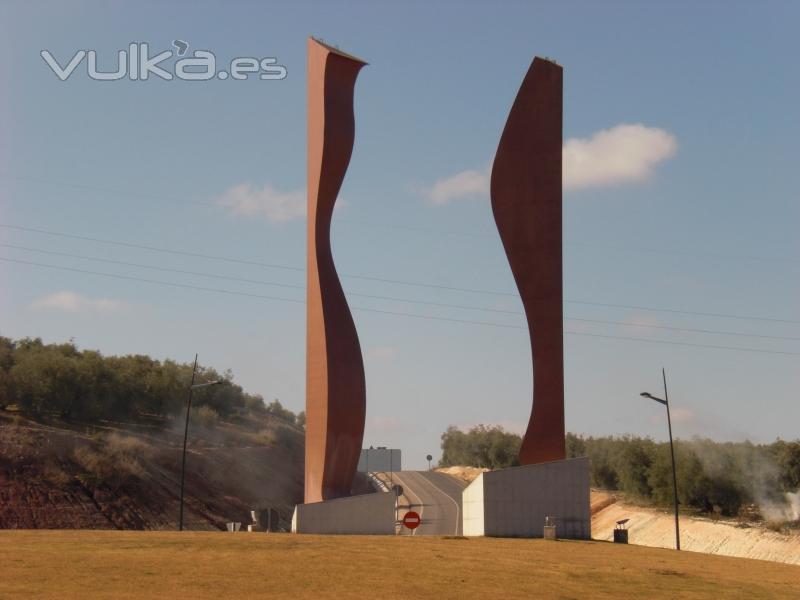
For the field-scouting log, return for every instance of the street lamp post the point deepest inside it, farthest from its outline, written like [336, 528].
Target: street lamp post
[192, 386]
[665, 402]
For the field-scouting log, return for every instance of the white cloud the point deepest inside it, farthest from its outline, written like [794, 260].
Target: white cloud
[466, 184]
[623, 154]
[66, 301]
[384, 424]
[247, 199]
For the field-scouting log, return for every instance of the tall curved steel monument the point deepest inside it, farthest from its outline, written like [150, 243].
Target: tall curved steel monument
[526, 201]
[335, 387]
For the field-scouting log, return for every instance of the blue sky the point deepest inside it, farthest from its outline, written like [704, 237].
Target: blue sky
[682, 126]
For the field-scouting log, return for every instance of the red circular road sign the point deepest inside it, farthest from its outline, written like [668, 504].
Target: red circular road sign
[412, 520]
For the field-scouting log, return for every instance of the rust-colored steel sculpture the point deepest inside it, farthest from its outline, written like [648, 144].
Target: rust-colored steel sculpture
[526, 201]
[335, 387]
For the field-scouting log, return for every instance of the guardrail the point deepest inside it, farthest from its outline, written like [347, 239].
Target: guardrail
[381, 485]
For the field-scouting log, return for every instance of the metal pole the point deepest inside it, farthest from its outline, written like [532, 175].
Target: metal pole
[185, 437]
[674, 475]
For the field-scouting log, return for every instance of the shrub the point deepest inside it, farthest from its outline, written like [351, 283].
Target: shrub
[254, 403]
[281, 436]
[276, 409]
[56, 475]
[114, 461]
[205, 416]
[287, 437]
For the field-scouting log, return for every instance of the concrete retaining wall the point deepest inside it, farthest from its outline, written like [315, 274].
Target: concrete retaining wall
[514, 502]
[369, 514]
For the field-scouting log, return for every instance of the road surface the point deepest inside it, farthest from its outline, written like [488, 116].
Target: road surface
[437, 499]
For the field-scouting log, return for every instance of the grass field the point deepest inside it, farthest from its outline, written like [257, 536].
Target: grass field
[111, 564]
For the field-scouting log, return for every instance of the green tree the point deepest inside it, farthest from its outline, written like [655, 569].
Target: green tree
[575, 446]
[633, 459]
[489, 447]
[7, 395]
[787, 458]
[46, 381]
[58, 379]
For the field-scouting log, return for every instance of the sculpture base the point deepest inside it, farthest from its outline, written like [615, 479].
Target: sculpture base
[514, 502]
[368, 514]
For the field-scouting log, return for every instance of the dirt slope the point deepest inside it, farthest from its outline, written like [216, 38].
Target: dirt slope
[650, 527]
[467, 474]
[128, 477]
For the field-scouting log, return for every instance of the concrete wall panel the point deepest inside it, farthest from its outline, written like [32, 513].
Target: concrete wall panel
[472, 508]
[514, 502]
[369, 514]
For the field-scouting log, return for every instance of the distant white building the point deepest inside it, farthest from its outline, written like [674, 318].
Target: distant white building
[379, 459]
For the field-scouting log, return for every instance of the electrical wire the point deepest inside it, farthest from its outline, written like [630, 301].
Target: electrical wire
[394, 281]
[400, 226]
[393, 313]
[393, 298]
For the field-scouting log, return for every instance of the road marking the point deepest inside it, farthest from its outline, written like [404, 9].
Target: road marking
[419, 500]
[448, 496]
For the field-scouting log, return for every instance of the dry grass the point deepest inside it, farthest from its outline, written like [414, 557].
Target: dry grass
[114, 460]
[107, 564]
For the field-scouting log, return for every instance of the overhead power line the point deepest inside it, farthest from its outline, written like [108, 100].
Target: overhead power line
[683, 312]
[253, 281]
[153, 281]
[400, 226]
[689, 344]
[241, 261]
[118, 192]
[392, 281]
[687, 329]
[392, 298]
[387, 312]
[152, 248]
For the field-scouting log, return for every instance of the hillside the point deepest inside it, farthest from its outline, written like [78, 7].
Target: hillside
[89, 440]
[127, 476]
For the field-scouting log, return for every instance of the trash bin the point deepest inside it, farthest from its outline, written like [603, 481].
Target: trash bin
[550, 528]
[621, 532]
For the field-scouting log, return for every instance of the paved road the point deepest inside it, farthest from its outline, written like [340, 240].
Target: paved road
[437, 499]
